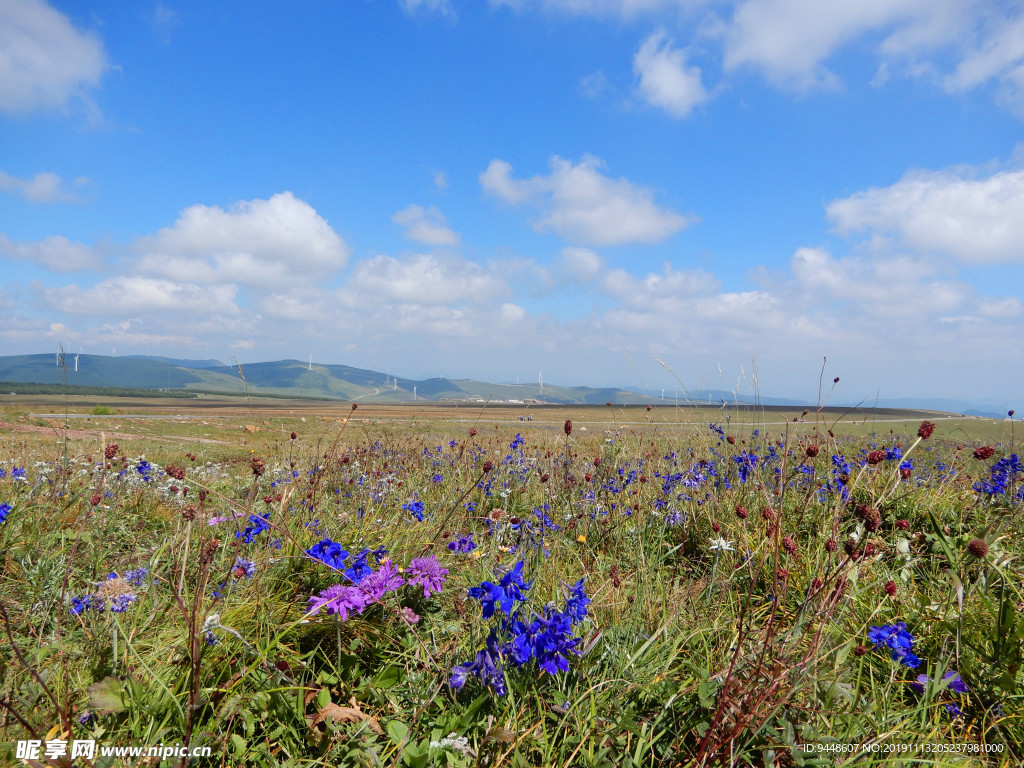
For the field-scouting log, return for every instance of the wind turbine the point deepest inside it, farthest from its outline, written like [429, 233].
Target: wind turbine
[311, 362]
[540, 380]
[76, 361]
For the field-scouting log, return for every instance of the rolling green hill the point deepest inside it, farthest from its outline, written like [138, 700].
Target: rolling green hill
[284, 378]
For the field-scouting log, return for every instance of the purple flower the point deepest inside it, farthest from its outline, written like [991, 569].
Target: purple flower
[955, 682]
[385, 579]
[340, 600]
[463, 545]
[952, 678]
[922, 681]
[427, 573]
[409, 616]
[4, 509]
[120, 603]
[244, 568]
[136, 577]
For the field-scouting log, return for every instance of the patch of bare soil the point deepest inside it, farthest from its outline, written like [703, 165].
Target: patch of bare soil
[92, 434]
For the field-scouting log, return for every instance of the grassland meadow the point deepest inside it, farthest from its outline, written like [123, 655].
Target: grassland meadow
[469, 595]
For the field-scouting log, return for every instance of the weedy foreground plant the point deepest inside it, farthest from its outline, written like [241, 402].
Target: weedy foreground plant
[617, 598]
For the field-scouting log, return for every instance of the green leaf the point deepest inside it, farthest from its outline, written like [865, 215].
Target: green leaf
[398, 730]
[238, 743]
[105, 696]
[323, 698]
[388, 677]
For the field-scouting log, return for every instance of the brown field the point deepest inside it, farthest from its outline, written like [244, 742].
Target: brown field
[224, 426]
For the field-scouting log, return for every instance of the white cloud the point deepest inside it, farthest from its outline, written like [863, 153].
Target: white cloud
[512, 313]
[583, 206]
[581, 264]
[44, 59]
[56, 253]
[440, 180]
[426, 225]
[442, 7]
[623, 8]
[975, 220]
[263, 243]
[664, 79]
[885, 286]
[594, 85]
[789, 40]
[426, 279]
[134, 295]
[42, 188]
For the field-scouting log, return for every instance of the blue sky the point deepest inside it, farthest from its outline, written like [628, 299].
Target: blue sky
[739, 190]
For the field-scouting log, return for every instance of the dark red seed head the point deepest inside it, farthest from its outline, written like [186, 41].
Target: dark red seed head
[567, 427]
[789, 545]
[860, 650]
[741, 512]
[985, 452]
[811, 451]
[890, 588]
[978, 548]
[488, 466]
[925, 430]
[876, 457]
[903, 524]
[716, 527]
[831, 545]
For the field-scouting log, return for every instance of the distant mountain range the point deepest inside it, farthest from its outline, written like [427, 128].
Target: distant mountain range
[298, 379]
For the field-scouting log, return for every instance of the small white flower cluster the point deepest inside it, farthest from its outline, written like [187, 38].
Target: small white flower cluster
[452, 741]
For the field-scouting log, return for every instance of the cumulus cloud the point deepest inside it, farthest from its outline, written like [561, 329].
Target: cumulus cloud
[42, 188]
[883, 286]
[44, 59]
[56, 253]
[664, 79]
[261, 243]
[426, 279]
[426, 225]
[583, 206]
[974, 220]
[581, 264]
[789, 40]
[135, 295]
[623, 8]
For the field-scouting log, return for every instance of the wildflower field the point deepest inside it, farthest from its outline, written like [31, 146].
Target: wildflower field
[745, 590]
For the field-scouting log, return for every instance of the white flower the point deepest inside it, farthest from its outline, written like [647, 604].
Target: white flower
[721, 544]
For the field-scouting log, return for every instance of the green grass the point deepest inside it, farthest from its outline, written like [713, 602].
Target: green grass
[688, 655]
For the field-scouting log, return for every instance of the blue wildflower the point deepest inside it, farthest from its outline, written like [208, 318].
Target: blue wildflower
[136, 576]
[244, 568]
[576, 605]
[328, 552]
[257, 525]
[463, 545]
[415, 508]
[4, 509]
[503, 594]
